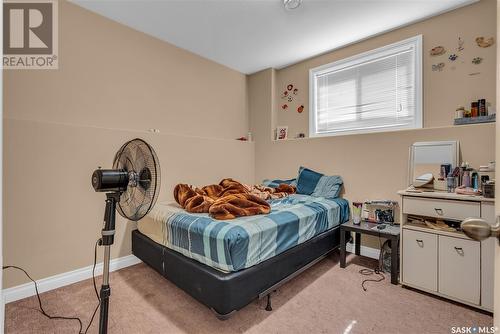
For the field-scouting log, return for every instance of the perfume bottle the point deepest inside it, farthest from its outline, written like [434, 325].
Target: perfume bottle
[466, 179]
[451, 182]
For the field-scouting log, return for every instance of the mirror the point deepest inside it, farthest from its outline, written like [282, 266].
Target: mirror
[427, 157]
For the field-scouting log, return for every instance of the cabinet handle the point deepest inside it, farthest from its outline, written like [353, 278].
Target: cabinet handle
[420, 242]
[439, 211]
[459, 250]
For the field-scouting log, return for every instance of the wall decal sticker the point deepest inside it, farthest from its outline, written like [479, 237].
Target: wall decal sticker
[477, 60]
[290, 95]
[287, 94]
[437, 51]
[452, 57]
[485, 42]
[460, 46]
[438, 67]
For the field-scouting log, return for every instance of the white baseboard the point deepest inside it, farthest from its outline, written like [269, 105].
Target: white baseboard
[60, 280]
[365, 251]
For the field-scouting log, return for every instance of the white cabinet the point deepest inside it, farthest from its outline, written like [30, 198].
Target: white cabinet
[420, 258]
[459, 268]
[447, 263]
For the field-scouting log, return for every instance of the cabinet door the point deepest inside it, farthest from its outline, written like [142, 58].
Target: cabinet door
[459, 268]
[420, 259]
[487, 259]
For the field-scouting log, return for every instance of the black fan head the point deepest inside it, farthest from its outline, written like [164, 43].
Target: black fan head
[139, 160]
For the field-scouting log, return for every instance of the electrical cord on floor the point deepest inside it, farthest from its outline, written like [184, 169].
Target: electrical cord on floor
[54, 317]
[368, 272]
[376, 271]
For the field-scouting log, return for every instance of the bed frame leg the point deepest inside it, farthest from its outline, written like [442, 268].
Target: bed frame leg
[223, 317]
[269, 308]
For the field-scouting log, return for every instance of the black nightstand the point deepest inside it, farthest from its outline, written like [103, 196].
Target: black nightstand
[368, 228]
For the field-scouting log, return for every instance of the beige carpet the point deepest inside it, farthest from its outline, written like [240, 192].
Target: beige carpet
[324, 299]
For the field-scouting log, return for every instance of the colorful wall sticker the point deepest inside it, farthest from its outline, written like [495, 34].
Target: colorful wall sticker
[460, 43]
[289, 95]
[485, 42]
[437, 51]
[452, 57]
[477, 60]
[438, 67]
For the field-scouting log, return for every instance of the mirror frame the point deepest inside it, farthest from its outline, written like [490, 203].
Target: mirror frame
[453, 144]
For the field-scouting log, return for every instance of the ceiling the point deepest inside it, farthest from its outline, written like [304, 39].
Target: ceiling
[252, 35]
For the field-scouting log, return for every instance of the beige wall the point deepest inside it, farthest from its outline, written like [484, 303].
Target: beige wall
[443, 91]
[374, 166]
[115, 77]
[113, 84]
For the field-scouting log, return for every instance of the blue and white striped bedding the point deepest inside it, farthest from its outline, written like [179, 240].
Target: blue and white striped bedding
[232, 245]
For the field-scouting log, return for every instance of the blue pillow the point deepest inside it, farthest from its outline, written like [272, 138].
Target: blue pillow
[316, 184]
[307, 181]
[277, 182]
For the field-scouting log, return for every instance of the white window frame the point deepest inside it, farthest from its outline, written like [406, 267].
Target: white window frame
[413, 42]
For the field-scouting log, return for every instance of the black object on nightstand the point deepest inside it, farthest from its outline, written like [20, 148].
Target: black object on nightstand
[389, 232]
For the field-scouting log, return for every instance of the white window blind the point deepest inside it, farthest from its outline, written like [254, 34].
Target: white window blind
[376, 91]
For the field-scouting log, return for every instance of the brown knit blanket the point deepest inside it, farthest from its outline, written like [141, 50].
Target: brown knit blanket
[229, 199]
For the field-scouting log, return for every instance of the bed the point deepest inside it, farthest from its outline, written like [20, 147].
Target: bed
[227, 264]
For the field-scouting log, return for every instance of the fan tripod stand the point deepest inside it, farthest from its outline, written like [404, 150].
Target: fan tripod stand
[108, 237]
[136, 176]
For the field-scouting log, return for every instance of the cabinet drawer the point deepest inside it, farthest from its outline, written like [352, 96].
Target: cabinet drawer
[459, 268]
[458, 210]
[420, 259]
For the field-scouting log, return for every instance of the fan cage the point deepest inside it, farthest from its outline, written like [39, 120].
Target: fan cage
[137, 156]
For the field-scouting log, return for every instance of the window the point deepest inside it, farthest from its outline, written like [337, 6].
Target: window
[379, 90]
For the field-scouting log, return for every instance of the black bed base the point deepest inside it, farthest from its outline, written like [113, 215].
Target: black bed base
[225, 293]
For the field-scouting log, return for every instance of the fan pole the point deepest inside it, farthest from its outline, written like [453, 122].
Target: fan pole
[108, 235]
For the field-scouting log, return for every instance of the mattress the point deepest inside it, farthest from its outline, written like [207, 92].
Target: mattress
[232, 245]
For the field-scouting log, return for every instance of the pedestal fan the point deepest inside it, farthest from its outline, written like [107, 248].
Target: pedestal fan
[132, 188]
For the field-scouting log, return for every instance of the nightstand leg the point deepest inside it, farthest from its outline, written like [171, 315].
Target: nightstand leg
[357, 239]
[342, 249]
[394, 260]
